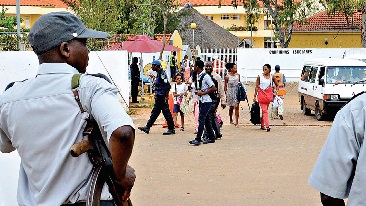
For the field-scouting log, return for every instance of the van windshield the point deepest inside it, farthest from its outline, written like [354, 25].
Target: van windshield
[346, 74]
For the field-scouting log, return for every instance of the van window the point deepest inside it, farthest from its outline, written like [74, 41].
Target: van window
[345, 74]
[313, 73]
[321, 72]
[305, 73]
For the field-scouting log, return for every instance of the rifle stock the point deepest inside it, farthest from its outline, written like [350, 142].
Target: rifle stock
[100, 157]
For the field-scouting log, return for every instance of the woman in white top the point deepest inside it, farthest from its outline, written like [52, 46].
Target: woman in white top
[263, 82]
[179, 89]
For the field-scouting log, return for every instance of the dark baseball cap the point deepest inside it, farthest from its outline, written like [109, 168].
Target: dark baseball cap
[51, 29]
[156, 62]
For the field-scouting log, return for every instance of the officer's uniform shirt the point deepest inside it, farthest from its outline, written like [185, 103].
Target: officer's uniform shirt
[340, 170]
[162, 84]
[42, 120]
[206, 84]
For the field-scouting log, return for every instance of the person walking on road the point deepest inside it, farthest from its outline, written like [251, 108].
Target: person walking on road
[162, 87]
[280, 81]
[215, 102]
[232, 80]
[179, 90]
[264, 93]
[204, 86]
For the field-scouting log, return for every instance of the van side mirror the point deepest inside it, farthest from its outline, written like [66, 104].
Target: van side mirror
[321, 82]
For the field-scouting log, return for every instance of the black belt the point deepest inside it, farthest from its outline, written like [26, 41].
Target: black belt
[102, 203]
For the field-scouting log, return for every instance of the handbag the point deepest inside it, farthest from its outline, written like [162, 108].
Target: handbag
[265, 95]
[187, 104]
[281, 91]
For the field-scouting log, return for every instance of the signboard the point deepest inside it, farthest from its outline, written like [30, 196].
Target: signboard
[250, 61]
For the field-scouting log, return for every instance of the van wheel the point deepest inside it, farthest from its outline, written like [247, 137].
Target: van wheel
[305, 110]
[319, 115]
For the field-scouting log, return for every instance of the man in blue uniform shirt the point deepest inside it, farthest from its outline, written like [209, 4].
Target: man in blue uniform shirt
[162, 87]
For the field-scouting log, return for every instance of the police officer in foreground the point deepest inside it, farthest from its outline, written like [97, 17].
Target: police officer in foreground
[41, 119]
[162, 87]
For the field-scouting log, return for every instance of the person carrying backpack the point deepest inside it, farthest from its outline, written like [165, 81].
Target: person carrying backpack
[204, 87]
[216, 96]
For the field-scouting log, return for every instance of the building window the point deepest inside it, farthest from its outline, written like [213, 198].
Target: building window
[27, 22]
[266, 24]
[268, 42]
[225, 17]
[210, 17]
[236, 17]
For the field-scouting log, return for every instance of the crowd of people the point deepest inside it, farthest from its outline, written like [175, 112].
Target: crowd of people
[197, 81]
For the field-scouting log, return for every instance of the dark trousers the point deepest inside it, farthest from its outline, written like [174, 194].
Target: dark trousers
[173, 70]
[102, 203]
[161, 105]
[204, 120]
[134, 90]
[215, 125]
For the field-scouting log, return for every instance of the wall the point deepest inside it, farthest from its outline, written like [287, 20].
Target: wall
[250, 61]
[335, 40]
[34, 12]
[12, 69]
[111, 63]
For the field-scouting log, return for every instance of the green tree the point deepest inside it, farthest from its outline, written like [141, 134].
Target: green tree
[165, 7]
[284, 14]
[8, 35]
[121, 16]
[348, 8]
[110, 16]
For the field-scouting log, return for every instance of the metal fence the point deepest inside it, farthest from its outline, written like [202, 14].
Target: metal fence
[219, 58]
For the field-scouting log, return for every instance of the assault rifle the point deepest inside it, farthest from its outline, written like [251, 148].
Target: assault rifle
[98, 152]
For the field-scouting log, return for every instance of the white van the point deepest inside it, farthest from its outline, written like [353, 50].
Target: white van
[328, 83]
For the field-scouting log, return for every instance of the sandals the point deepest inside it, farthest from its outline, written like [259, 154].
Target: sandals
[182, 129]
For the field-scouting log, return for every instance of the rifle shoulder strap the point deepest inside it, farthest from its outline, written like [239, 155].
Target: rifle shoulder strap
[75, 82]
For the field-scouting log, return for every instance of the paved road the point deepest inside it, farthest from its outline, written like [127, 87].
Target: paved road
[247, 167]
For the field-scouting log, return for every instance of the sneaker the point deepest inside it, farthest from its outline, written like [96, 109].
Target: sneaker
[268, 129]
[144, 129]
[219, 136]
[169, 132]
[211, 141]
[263, 128]
[281, 117]
[204, 141]
[194, 142]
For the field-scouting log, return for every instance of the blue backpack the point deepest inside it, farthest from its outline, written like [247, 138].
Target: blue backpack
[241, 93]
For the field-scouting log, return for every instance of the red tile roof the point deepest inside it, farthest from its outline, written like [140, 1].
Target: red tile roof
[215, 2]
[47, 3]
[116, 44]
[324, 22]
[159, 37]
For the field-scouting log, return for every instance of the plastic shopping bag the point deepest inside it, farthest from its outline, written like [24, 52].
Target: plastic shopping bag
[277, 101]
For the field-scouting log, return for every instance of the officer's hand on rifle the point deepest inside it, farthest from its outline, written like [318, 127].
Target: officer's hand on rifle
[127, 182]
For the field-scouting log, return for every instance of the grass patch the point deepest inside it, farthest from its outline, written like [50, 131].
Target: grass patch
[131, 112]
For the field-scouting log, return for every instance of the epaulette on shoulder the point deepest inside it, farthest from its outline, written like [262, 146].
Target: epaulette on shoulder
[103, 76]
[11, 84]
[75, 81]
